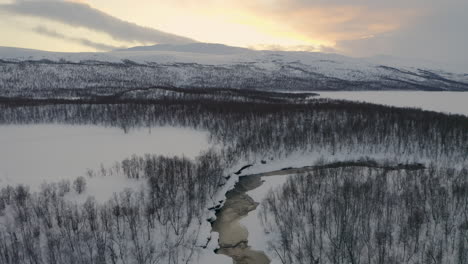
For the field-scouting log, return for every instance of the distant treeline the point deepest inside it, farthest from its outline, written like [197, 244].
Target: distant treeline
[150, 94]
[252, 129]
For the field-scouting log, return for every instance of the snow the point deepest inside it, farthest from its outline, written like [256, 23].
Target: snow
[332, 65]
[37, 154]
[399, 62]
[326, 64]
[447, 102]
[34, 154]
[258, 239]
[208, 256]
[300, 159]
[205, 48]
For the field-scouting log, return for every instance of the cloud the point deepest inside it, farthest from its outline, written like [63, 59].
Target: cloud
[338, 20]
[86, 42]
[431, 30]
[439, 35]
[309, 48]
[83, 15]
[428, 29]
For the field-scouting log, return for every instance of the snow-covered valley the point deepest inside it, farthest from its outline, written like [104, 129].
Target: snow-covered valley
[233, 132]
[164, 206]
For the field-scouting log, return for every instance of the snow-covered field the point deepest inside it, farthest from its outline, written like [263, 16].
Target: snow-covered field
[447, 102]
[34, 154]
[37, 154]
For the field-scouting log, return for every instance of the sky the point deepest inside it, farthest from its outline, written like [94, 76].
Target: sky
[433, 30]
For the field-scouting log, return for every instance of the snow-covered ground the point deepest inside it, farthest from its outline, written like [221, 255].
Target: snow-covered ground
[258, 239]
[335, 65]
[447, 102]
[34, 154]
[184, 65]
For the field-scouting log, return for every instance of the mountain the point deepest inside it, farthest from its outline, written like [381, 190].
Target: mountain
[201, 48]
[25, 72]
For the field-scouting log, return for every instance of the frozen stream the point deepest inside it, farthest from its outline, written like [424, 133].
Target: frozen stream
[233, 236]
[241, 235]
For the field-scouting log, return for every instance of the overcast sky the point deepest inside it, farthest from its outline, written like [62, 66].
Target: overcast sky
[427, 29]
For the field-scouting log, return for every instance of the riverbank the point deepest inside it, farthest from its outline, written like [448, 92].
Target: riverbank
[237, 219]
[233, 236]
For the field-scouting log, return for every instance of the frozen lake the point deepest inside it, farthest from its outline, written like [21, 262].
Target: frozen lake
[33, 154]
[447, 102]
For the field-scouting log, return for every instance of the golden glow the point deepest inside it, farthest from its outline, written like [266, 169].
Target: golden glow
[215, 21]
[259, 24]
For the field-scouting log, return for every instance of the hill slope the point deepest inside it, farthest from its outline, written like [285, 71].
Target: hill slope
[211, 66]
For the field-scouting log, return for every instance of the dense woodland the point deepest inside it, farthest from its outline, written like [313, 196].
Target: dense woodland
[368, 215]
[253, 129]
[46, 227]
[157, 224]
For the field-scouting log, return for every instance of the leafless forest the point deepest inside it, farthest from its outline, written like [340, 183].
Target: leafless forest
[342, 215]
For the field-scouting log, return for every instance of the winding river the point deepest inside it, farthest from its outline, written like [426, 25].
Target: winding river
[233, 236]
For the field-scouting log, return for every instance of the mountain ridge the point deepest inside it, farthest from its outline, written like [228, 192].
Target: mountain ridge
[205, 65]
[196, 47]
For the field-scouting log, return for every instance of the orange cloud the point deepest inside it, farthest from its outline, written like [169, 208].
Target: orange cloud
[316, 25]
[336, 23]
[303, 23]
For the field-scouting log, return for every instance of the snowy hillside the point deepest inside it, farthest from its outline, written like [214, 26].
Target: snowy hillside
[211, 66]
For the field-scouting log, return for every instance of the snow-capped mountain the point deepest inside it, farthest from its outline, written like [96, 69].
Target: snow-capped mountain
[211, 66]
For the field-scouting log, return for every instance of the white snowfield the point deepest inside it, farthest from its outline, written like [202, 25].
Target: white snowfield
[34, 154]
[314, 69]
[445, 102]
[37, 154]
